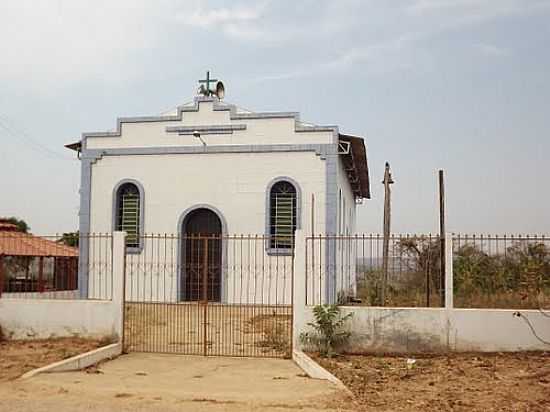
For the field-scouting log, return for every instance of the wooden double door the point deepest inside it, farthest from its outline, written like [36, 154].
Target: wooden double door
[202, 256]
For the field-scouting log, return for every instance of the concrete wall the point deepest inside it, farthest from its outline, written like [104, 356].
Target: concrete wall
[413, 330]
[410, 330]
[45, 318]
[35, 318]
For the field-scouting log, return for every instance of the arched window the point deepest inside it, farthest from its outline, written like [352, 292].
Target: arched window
[282, 215]
[128, 213]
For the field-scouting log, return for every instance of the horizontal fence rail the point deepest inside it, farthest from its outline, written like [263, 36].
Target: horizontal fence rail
[56, 266]
[357, 270]
[501, 271]
[225, 295]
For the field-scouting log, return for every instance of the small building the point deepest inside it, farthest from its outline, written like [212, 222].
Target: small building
[213, 168]
[30, 264]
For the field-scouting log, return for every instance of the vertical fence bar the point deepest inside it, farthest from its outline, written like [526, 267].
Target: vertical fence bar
[449, 281]
[1, 274]
[205, 293]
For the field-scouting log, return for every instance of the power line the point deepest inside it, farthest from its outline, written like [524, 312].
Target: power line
[533, 331]
[21, 137]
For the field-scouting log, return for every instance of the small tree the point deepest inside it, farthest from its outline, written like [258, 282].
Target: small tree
[22, 226]
[70, 239]
[328, 333]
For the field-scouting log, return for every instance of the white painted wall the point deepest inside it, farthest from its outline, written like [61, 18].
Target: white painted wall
[235, 184]
[345, 273]
[43, 318]
[258, 132]
[36, 318]
[410, 330]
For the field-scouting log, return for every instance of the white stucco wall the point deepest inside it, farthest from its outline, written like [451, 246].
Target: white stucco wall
[29, 316]
[410, 330]
[234, 183]
[347, 208]
[258, 132]
[44, 318]
[345, 268]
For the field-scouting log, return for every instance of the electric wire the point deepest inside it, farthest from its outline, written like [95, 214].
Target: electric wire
[21, 136]
[526, 319]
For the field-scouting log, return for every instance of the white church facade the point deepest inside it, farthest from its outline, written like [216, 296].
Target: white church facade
[212, 170]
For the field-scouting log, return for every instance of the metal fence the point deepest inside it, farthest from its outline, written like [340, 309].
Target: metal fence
[209, 295]
[501, 271]
[356, 270]
[53, 267]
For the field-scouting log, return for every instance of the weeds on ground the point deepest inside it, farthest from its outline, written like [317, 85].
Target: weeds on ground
[276, 337]
[275, 330]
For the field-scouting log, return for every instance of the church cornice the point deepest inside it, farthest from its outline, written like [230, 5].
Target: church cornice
[321, 150]
[209, 129]
[217, 106]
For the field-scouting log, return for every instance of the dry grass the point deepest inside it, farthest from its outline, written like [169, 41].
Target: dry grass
[500, 300]
[413, 294]
[276, 330]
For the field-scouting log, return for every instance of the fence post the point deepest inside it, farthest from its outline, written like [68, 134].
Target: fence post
[298, 287]
[449, 285]
[1, 274]
[119, 281]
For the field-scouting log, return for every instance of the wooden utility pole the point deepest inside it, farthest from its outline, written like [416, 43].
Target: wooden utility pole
[387, 230]
[442, 235]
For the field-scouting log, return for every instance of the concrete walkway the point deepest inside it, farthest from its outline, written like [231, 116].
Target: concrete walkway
[140, 382]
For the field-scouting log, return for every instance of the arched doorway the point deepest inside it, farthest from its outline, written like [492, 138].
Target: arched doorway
[202, 256]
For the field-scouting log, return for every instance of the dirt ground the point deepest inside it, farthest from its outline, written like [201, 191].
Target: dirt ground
[18, 357]
[229, 330]
[458, 382]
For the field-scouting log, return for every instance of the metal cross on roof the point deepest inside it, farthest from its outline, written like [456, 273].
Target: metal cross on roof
[206, 89]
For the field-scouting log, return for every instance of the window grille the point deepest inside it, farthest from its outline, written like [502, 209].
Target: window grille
[128, 217]
[282, 215]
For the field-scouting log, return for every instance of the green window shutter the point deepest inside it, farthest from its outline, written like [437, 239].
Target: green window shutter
[283, 215]
[129, 213]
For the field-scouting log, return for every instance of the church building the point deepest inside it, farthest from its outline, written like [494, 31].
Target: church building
[212, 168]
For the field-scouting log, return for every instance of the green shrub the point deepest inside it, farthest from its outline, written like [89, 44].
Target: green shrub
[328, 330]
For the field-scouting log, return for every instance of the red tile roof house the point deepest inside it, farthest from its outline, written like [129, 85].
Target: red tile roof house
[30, 264]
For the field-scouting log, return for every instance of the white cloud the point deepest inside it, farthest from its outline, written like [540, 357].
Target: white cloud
[460, 12]
[202, 17]
[492, 50]
[55, 43]
[60, 43]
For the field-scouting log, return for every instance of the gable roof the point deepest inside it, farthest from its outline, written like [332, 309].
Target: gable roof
[14, 243]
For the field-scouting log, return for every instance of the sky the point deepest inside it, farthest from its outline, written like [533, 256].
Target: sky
[459, 85]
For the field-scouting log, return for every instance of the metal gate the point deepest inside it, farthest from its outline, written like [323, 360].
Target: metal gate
[212, 295]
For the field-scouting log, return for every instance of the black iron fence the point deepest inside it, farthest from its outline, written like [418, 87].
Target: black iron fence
[501, 271]
[209, 295]
[360, 270]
